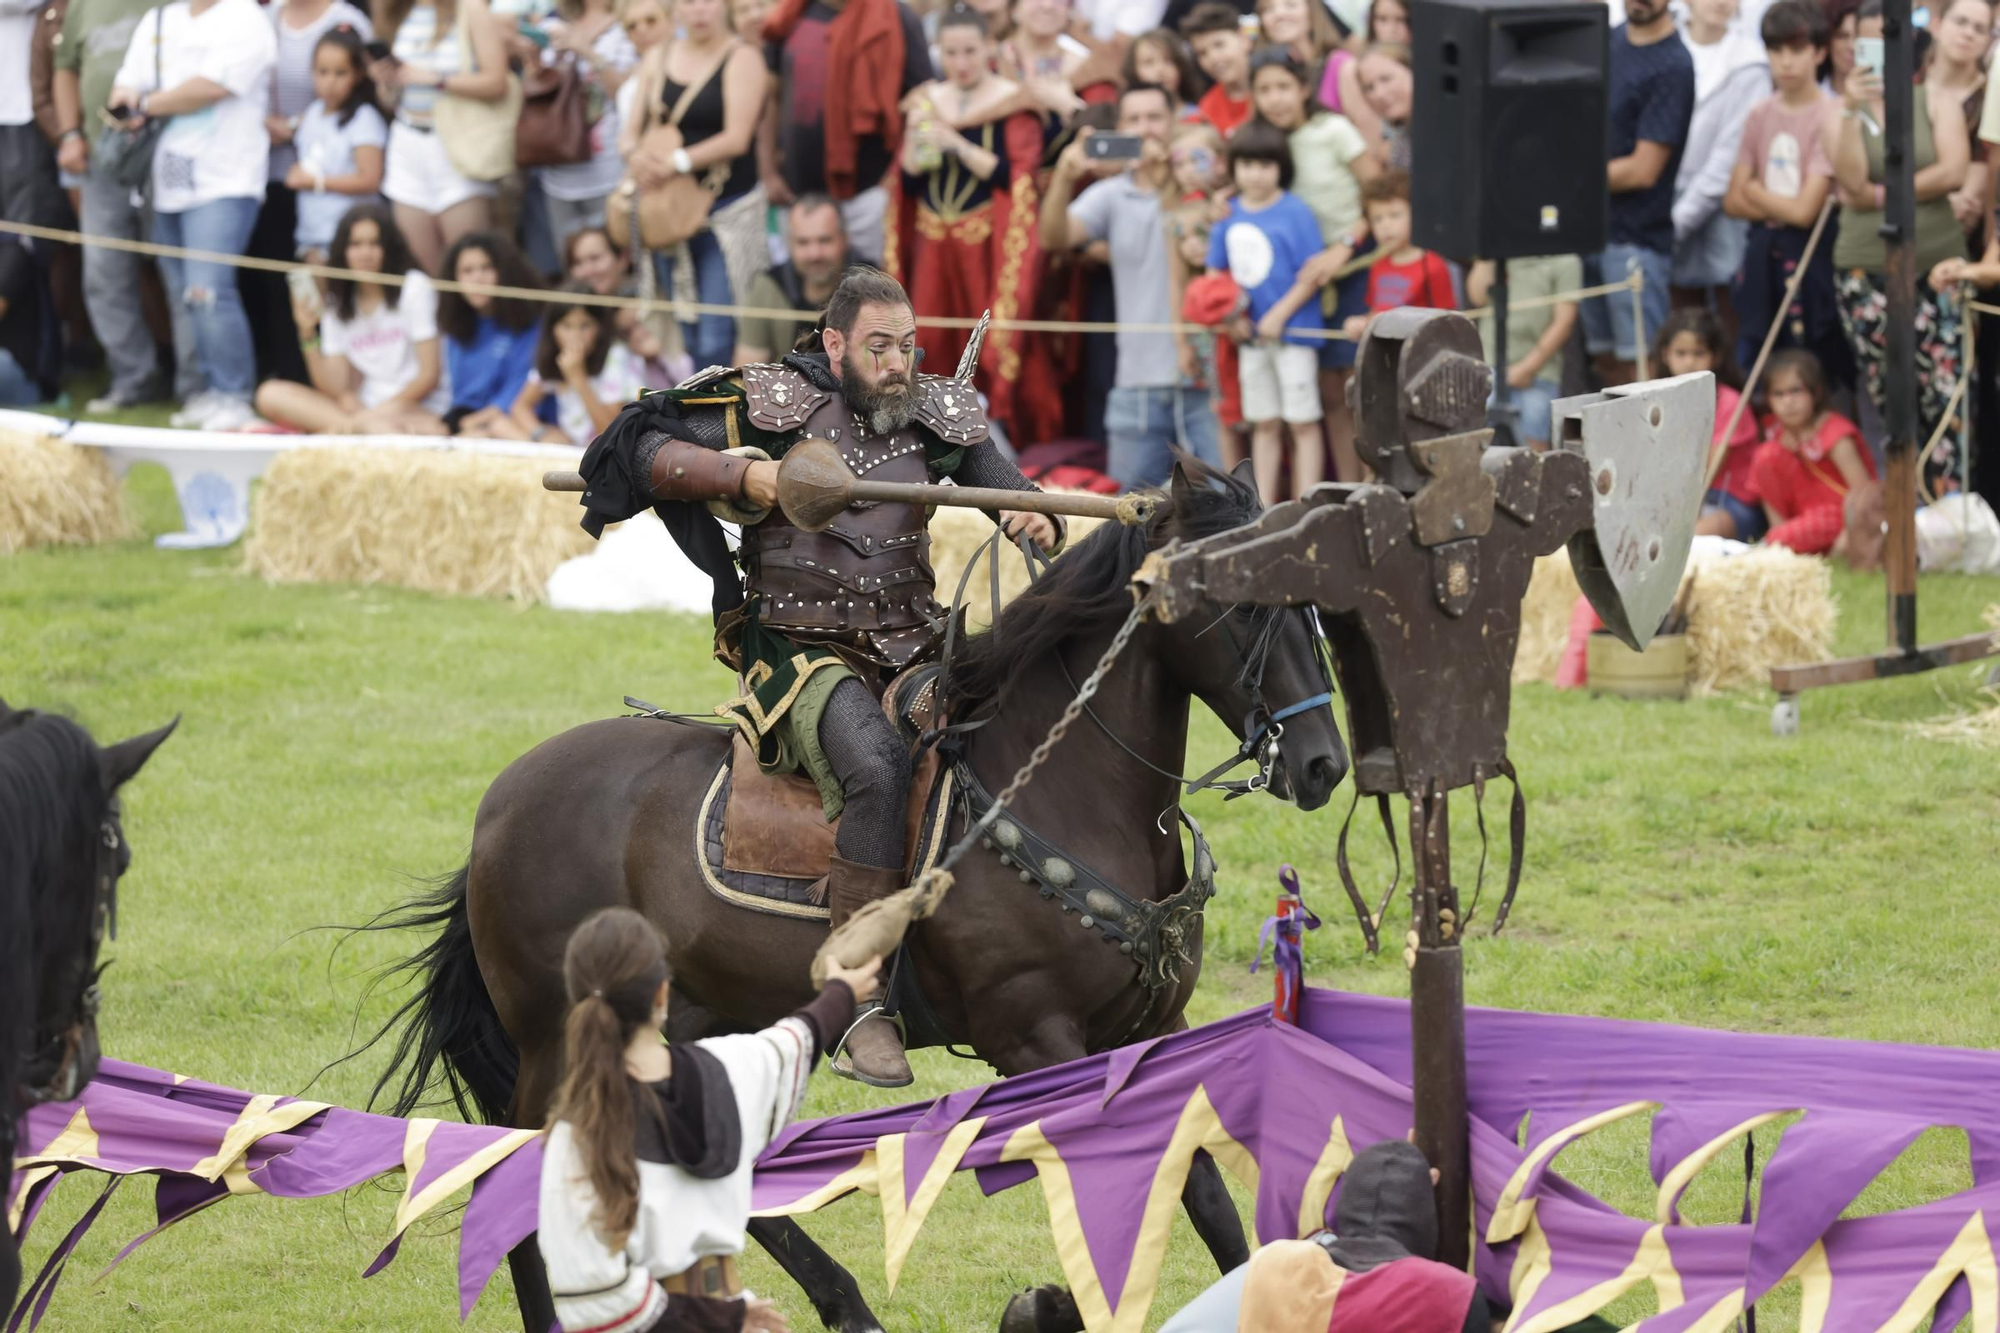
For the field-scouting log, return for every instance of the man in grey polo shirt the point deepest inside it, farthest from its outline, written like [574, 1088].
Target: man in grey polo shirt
[1152, 407]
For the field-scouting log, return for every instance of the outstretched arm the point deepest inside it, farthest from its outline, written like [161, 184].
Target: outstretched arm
[985, 465]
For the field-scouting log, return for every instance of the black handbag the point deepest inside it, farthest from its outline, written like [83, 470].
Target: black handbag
[125, 155]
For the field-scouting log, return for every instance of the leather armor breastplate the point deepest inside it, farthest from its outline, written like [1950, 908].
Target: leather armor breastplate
[865, 583]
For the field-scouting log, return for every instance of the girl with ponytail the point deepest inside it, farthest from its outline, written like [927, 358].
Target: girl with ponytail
[645, 1188]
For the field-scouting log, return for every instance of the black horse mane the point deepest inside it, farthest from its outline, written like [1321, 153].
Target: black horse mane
[51, 799]
[1089, 588]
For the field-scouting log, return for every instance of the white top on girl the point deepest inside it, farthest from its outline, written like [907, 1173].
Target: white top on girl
[326, 146]
[221, 151]
[619, 382]
[381, 344]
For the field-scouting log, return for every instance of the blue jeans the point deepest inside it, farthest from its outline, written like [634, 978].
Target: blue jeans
[711, 339]
[1532, 410]
[1607, 319]
[1142, 427]
[208, 292]
[17, 389]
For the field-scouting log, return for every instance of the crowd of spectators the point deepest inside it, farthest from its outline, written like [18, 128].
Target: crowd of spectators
[1228, 181]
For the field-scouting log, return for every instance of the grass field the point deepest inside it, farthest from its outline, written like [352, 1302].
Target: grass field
[1683, 865]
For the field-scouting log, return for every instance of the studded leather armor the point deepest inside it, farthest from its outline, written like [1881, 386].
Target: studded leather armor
[866, 582]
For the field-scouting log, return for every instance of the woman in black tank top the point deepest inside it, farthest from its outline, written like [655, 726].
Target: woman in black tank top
[718, 125]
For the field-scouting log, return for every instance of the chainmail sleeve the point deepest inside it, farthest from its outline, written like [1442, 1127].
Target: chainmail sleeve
[984, 465]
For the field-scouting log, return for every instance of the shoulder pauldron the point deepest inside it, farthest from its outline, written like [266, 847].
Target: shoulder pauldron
[778, 398]
[949, 408]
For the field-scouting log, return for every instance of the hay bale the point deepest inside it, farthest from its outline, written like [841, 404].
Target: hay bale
[956, 536]
[1545, 610]
[1747, 612]
[1755, 610]
[445, 520]
[57, 494]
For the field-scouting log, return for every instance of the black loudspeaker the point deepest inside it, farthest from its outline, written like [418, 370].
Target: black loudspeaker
[1509, 130]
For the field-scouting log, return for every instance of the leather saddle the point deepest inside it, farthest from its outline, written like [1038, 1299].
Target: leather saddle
[763, 840]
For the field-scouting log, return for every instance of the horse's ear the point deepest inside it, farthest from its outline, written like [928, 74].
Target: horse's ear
[1179, 488]
[123, 761]
[1246, 472]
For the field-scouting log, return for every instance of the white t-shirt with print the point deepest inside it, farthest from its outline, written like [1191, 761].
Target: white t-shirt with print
[615, 385]
[381, 345]
[222, 151]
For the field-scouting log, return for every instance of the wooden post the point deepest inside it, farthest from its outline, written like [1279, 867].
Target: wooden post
[1437, 1024]
[1899, 490]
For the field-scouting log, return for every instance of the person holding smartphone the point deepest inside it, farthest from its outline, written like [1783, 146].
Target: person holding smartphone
[204, 66]
[1860, 256]
[1157, 402]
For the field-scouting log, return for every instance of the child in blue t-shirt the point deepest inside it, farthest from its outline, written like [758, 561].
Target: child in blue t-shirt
[1269, 244]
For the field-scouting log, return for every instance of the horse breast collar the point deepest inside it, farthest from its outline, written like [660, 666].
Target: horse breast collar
[1154, 935]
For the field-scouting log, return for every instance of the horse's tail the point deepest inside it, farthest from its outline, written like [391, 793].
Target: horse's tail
[449, 1030]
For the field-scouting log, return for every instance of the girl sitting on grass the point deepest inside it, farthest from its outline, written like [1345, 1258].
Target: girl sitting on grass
[1810, 460]
[373, 350]
[489, 341]
[582, 371]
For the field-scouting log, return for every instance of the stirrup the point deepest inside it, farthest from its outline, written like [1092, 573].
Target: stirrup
[863, 1013]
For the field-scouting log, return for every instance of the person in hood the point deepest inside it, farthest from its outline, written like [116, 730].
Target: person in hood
[1375, 1272]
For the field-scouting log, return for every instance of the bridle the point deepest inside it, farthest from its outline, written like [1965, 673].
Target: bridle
[1263, 729]
[59, 1054]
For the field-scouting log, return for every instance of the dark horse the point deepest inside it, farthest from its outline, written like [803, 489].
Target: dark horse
[604, 815]
[62, 851]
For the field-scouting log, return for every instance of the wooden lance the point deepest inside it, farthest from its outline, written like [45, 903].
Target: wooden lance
[815, 486]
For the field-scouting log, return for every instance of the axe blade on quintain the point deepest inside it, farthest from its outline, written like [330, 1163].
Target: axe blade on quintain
[1647, 445]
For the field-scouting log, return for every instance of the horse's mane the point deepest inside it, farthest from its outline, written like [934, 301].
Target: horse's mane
[51, 798]
[1089, 588]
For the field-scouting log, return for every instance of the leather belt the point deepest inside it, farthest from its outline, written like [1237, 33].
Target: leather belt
[714, 1276]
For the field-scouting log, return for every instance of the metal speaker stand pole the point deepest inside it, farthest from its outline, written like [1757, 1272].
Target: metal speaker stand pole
[1506, 416]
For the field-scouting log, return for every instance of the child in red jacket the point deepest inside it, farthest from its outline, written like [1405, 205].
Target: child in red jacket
[1810, 460]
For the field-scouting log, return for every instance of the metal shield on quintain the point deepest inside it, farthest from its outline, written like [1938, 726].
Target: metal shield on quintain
[1648, 450]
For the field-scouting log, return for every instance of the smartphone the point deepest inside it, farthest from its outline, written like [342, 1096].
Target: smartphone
[1113, 147]
[1868, 53]
[377, 50]
[304, 287]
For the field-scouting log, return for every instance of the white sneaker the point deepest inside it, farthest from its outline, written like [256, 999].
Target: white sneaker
[196, 411]
[229, 414]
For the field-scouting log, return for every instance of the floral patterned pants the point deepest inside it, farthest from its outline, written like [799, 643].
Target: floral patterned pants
[1864, 314]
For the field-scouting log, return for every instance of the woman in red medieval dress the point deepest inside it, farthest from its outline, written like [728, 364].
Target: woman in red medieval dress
[964, 210]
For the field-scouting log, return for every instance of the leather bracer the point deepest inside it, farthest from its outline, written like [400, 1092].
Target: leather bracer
[684, 471]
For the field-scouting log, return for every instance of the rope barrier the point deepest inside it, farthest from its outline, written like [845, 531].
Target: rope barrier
[644, 305]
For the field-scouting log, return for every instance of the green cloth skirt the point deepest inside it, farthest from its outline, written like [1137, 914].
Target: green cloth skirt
[787, 686]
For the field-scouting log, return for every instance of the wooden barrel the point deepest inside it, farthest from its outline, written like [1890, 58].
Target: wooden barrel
[1661, 672]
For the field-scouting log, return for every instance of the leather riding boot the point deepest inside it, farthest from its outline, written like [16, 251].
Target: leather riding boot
[874, 1053]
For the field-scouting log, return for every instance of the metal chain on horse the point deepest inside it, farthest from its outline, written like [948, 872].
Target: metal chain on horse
[937, 881]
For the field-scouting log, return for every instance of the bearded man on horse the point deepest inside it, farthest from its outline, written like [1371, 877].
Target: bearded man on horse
[821, 621]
